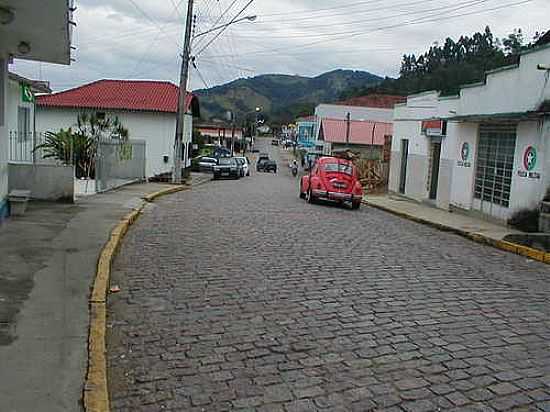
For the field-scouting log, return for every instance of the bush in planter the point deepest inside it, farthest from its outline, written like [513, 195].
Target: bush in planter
[526, 220]
[78, 146]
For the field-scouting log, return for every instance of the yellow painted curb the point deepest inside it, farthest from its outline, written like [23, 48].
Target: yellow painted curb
[96, 388]
[528, 252]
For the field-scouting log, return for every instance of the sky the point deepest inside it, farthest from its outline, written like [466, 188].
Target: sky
[142, 39]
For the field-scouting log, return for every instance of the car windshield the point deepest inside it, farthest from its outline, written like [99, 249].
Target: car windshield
[338, 167]
[225, 161]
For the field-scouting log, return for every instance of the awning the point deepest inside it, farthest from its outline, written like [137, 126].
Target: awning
[501, 117]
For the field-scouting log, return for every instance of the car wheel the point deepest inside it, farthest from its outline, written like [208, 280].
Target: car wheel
[248, 173]
[356, 205]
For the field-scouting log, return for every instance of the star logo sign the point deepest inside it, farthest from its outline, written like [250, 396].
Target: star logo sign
[530, 158]
[465, 152]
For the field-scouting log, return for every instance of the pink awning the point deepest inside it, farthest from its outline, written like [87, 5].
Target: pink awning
[361, 132]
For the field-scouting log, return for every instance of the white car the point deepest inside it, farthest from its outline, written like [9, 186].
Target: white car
[245, 163]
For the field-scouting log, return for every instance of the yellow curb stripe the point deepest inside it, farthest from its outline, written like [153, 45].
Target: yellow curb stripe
[528, 252]
[96, 387]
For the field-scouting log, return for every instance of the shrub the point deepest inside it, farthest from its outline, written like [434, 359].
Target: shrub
[526, 220]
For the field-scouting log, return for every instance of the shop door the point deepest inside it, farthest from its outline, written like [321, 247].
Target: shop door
[436, 160]
[404, 161]
[494, 167]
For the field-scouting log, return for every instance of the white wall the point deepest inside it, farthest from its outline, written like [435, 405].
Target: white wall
[4, 144]
[509, 91]
[463, 177]
[157, 129]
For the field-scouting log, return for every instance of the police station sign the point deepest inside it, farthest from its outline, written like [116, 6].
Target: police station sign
[529, 163]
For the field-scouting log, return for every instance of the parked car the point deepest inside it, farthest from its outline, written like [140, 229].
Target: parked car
[275, 142]
[266, 165]
[263, 156]
[227, 167]
[245, 165]
[207, 163]
[332, 179]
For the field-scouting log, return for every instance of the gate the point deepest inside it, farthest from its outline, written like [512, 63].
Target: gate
[119, 162]
[494, 168]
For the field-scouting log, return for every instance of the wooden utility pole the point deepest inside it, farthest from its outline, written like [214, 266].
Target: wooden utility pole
[348, 124]
[184, 76]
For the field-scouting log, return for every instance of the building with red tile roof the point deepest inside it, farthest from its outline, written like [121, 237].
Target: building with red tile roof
[380, 101]
[131, 95]
[146, 108]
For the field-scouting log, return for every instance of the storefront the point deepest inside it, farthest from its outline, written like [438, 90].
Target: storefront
[490, 154]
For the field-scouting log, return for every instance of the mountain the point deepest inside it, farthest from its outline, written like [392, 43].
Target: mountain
[281, 97]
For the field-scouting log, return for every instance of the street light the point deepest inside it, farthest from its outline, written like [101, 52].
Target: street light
[223, 26]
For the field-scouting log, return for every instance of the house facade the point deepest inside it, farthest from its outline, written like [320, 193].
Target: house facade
[484, 151]
[146, 108]
[364, 137]
[371, 116]
[25, 33]
[305, 131]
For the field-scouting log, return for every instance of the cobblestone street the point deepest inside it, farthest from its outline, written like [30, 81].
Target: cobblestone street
[237, 295]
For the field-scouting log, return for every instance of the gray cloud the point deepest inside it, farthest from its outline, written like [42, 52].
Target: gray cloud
[116, 39]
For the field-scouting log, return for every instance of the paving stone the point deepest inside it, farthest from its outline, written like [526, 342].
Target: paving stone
[236, 295]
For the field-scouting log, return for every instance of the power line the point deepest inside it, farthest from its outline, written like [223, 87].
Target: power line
[218, 34]
[421, 20]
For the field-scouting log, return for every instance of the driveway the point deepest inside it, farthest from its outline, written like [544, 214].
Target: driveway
[239, 296]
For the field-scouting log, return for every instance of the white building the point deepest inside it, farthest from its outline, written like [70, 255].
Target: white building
[26, 33]
[485, 151]
[146, 108]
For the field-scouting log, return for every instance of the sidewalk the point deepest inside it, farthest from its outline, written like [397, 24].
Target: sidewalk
[444, 220]
[49, 259]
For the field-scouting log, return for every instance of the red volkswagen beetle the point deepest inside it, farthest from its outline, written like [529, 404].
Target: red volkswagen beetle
[332, 179]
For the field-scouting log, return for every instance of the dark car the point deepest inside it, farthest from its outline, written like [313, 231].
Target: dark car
[227, 167]
[275, 142]
[266, 165]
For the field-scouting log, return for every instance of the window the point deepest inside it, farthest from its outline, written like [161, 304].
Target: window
[495, 163]
[339, 168]
[100, 115]
[24, 124]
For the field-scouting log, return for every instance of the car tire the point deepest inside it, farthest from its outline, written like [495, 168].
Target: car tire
[248, 173]
[356, 205]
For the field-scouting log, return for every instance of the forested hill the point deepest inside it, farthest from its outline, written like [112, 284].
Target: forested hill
[282, 97]
[456, 62]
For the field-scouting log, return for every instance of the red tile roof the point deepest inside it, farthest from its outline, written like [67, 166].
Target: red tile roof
[135, 95]
[378, 101]
[361, 132]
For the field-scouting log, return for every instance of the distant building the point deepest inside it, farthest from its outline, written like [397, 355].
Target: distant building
[371, 119]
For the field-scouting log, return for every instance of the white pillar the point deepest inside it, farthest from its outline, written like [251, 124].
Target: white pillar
[4, 143]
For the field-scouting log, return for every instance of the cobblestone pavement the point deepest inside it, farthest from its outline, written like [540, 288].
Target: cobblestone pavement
[238, 296]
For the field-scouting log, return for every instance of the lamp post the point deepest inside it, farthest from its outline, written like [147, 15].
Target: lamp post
[184, 77]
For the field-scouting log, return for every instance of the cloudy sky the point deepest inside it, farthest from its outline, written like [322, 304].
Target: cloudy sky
[142, 39]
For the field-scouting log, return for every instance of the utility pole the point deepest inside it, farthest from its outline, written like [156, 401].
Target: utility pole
[348, 124]
[184, 76]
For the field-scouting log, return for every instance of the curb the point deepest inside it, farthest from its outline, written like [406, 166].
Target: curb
[520, 250]
[96, 390]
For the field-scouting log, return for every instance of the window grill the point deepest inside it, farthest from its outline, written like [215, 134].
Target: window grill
[495, 163]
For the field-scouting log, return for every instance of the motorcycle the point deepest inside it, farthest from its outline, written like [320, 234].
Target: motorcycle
[294, 171]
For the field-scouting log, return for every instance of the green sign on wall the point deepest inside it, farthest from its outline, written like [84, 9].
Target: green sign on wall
[26, 94]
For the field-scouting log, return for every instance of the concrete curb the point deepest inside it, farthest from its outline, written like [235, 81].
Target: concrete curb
[96, 389]
[520, 250]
